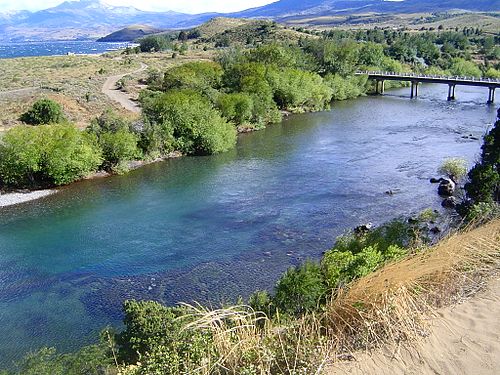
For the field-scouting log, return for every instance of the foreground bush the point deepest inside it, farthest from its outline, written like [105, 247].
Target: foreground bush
[47, 155]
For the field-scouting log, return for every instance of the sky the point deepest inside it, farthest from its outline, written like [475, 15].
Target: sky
[189, 6]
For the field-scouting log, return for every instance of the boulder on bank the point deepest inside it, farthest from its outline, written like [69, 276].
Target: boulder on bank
[363, 229]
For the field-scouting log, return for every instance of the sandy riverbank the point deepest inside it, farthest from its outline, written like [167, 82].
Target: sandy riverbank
[9, 199]
[463, 339]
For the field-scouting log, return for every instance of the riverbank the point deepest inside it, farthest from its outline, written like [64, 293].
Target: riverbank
[10, 199]
[463, 339]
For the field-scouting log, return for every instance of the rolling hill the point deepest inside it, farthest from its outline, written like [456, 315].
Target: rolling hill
[87, 19]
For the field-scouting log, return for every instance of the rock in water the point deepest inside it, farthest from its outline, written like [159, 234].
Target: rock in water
[446, 188]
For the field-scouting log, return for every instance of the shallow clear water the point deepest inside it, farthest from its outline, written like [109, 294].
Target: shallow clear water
[212, 228]
[25, 49]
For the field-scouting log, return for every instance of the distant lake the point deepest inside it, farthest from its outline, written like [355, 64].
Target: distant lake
[52, 48]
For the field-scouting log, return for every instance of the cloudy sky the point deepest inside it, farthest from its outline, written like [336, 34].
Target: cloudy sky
[189, 6]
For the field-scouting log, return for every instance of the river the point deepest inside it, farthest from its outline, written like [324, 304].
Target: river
[211, 228]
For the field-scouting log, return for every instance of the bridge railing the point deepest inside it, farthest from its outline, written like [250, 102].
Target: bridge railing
[431, 76]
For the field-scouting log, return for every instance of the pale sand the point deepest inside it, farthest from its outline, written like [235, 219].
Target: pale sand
[463, 340]
[9, 199]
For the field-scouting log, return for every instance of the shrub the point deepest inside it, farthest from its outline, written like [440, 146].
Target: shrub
[156, 336]
[47, 155]
[196, 127]
[454, 168]
[296, 90]
[200, 76]
[346, 88]
[43, 111]
[118, 147]
[300, 289]
[236, 107]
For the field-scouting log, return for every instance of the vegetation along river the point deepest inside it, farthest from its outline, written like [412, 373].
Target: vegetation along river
[211, 228]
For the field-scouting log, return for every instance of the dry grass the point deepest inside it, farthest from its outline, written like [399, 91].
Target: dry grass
[75, 82]
[388, 306]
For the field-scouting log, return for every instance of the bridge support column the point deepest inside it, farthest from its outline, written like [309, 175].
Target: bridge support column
[451, 92]
[382, 86]
[414, 89]
[491, 95]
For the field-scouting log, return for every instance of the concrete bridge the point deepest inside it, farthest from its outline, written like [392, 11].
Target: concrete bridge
[416, 79]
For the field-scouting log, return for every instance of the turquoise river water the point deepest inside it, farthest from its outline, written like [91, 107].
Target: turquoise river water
[212, 228]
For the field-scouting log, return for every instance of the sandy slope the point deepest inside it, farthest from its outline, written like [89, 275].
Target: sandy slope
[464, 339]
[109, 88]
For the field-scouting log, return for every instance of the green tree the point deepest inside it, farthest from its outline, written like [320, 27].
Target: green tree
[43, 111]
[464, 68]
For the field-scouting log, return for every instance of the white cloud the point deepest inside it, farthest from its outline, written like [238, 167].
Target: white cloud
[190, 6]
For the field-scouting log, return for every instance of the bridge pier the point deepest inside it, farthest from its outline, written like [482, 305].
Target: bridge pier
[451, 92]
[491, 95]
[414, 89]
[380, 83]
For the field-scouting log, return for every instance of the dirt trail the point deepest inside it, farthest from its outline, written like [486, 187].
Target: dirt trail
[109, 88]
[16, 92]
[464, 340]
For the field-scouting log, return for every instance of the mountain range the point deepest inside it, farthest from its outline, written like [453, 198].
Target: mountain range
[87, 19]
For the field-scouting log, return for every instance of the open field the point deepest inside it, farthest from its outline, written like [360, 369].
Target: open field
[75, 82]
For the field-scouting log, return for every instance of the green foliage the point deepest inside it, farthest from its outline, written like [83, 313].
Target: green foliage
[47, 155]
[196, 127]
[464, 68]
[346, 88]
[483, 211]
[261, 301]
[236, 107]
[155, 43]
[454, 168]
[201, 76]
[296, 90]
[155, 336]
[484, 177]
[118, 147]
[300, 289]
[43, 111]
[117, 142]
[371, 54]
[492, 73]
[90, 360]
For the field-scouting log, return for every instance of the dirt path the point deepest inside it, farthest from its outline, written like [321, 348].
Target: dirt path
[464, 340]
[109, 88]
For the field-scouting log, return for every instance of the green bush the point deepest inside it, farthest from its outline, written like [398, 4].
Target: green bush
[346, 87]
[236, 107]
[47, 155]
[300, 289]
[296, 90]
[197, 127]
[454, 168]
[155, 336]
[463, 68]
[200, 76]
[118, 147]
[43, 111]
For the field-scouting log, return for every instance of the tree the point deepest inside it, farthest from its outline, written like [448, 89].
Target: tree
[464, 68]
[155, 43]
[43, 111]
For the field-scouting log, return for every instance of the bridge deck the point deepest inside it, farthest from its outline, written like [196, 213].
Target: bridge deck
[421, 78]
